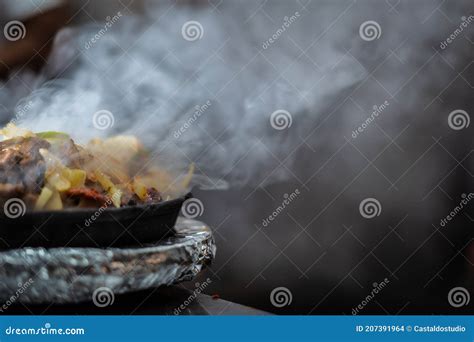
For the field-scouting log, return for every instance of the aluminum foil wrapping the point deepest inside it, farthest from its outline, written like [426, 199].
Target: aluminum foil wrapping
[66, 275]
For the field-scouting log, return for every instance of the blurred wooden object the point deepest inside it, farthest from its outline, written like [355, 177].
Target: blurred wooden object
[32, 51]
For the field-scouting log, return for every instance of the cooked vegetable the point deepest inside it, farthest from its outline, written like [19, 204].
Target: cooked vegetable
[51, 135]
[76, 177]
[55, 202]
[51, 172]
[43, 198]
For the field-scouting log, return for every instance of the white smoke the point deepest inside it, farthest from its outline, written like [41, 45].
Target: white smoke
[155, 82]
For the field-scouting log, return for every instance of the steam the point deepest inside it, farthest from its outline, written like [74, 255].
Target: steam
[195, 85]
[209, 96]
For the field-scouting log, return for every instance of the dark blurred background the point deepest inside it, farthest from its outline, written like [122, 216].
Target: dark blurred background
[329, 78]
[321, 248]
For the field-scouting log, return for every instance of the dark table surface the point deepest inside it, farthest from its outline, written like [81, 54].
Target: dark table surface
[160, 301]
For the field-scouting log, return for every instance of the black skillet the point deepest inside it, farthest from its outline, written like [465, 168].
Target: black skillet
[112, 227]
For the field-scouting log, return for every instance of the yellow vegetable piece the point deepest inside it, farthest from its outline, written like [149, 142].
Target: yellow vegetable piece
[116, 197]
[12, 131]
[59, 176]
[104, 181]
[55, 202]
[59, 182]
[114, 193]
[43, 198]
[76, 177]
[139, 188]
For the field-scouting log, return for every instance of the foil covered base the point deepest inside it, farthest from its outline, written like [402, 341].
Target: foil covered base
[69, 275]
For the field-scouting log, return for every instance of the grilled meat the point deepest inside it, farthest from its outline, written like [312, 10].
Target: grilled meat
[68, 153]
[22, 167]
[152, 196]
[87, 197]
[49, 171]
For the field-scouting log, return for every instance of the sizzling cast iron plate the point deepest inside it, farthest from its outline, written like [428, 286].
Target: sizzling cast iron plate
[116, 227]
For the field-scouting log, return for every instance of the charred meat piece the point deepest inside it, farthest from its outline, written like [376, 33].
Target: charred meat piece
[22, 167]
[68, 153]
[87, 197]
[10, 190]
[152, 196]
